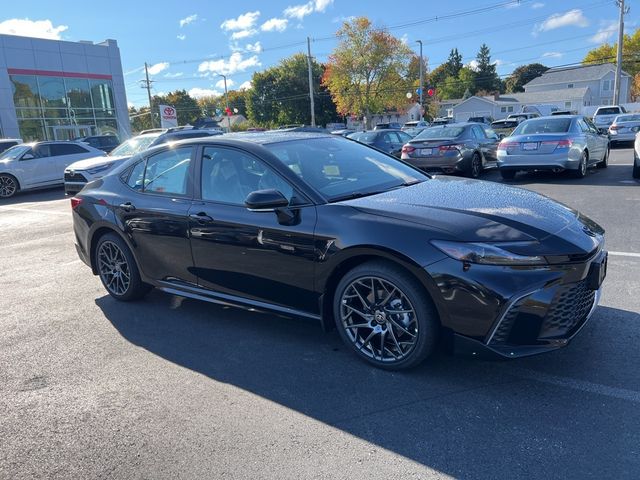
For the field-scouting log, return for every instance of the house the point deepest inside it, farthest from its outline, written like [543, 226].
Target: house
[412, 112]
[566, 88]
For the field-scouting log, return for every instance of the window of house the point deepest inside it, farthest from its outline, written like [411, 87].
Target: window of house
[510, 109]
[503, 109]
[570, 85]
[606, 85]
[567, 104]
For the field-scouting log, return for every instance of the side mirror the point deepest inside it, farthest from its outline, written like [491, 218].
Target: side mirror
[266, 200]
[27, 156]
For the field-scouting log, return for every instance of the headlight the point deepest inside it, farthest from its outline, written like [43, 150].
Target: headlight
[99, 168]
[485, 253]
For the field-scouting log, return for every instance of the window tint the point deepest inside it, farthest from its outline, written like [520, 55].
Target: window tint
[543, 125]
[66, 149]
[41, 151]
[478, 132]
[167, 172]
[404, 137]
[490, 133]
[228, 176]
[608, 110]
[583, 126]
[136, 177]
[440, 132]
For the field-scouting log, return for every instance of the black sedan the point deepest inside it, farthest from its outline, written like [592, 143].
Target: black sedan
[390, 141]
[321, 227]
[466, 148]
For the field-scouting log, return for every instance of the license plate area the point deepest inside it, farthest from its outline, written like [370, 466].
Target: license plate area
[530, 146]
[597, 272]
[426, 151]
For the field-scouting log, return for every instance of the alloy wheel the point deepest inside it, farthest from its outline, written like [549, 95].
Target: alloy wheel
[379, 319]
[8, 186]
[475, 166]
[113, 268]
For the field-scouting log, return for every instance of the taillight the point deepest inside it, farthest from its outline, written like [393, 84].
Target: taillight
[614, 127]
[75, 202]
[408, 149]
[506, 145]
[444, 148]
[558, 143]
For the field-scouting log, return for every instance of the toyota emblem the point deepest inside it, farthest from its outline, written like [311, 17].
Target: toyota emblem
[169, 111]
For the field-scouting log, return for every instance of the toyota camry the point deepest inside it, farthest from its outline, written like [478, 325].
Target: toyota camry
[322, 227]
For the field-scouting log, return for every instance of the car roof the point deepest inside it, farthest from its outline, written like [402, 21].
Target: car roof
[260, 138]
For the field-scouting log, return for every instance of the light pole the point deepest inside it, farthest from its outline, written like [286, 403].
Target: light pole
[226, 101]
[421, 79]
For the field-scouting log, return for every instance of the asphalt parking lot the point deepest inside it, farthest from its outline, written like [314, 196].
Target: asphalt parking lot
[176, 388]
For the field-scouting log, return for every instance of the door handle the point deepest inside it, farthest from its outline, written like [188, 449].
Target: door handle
[200, 217]
[127, 207]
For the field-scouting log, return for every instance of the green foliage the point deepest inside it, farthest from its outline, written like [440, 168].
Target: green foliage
[523, 75]
[140, 119]
[186, 106]
[606, 53]
[454, 63]
[456, 87]
[486, 76]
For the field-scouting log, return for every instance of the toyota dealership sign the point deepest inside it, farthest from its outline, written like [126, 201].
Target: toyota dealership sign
[168, 116]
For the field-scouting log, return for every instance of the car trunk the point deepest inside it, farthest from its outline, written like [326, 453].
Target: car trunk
[431, 147]
[538, 144]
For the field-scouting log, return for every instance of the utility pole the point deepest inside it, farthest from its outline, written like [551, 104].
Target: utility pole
[226, 101]
[147, 84]
[616, 84]
[421, 80]
[313, 109]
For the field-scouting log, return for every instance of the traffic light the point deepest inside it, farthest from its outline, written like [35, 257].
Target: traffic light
[431, 91]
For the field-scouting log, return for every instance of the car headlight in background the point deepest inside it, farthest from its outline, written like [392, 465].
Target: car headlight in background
[99, 168]
[485, 253]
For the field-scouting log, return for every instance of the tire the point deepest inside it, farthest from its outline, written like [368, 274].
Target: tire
[581, 171]
[8, 185]
[118, 270]
[475, 166]
[636, 168]
[508, 174]
[604, 163]
[380, 336]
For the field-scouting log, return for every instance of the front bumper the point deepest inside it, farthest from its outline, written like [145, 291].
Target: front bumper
[74, 182]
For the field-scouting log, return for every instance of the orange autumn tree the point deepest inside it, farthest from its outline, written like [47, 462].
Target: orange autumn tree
[368, 71]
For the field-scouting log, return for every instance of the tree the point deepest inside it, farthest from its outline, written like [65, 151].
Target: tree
[606, 53]
[368, 70]
[522, 75]
[454, 63]
[486, 75]
[211, 105]
[456, 87]
[186, 107]
[280, 94]
[139, 119]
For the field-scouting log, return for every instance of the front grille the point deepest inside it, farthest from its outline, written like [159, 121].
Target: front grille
[523, 325]
[76, 177]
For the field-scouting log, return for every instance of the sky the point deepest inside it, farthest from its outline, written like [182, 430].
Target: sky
[187, 44]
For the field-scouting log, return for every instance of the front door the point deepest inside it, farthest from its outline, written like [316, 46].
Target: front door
[264, 256]
[37, 166]
[153, 212]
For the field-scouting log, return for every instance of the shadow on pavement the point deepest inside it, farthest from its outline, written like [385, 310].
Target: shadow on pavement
[41, 195]
[612, 176]
[460, 416]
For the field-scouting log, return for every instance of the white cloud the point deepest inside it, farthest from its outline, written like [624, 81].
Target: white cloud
[245, 85]
[130, 105]
[243, 34]
[255, 48]
[220, 83]
[498, 62]
[299, 11]
[606, 31]
[321, 5]
[473, 65]
[404, 38]
[274, 25]
[173, 75]
[573, 17]
[181, 37]
[158, 67]
[342, 19]
[537, 5]
[32, 28]
[246, 21]
[203, 92]
[235, 63]
[187, 20]
[552, 55]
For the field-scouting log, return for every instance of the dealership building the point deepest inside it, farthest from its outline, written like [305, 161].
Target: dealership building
[58, 90]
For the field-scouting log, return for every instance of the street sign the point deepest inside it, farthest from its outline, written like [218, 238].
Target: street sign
[168, 116]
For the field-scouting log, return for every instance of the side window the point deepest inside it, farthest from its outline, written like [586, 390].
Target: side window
[591, 126]
[583, 126]
[66, 149]
[477, 132]
[136, 177]
[228, 176]
[168, 172]
[404, 137]
[490, 133]
[42, 151]
[388, 138]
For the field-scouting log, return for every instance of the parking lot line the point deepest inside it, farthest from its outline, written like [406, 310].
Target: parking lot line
[625, 254]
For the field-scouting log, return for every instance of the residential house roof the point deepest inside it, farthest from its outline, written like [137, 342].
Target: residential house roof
[583, 73]
[541, 97]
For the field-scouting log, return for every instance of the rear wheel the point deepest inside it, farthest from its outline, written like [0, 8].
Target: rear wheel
[475, 167]
[604, 163]
[636, 168]
[118, 270]
[8, 185]
[508, 174]
[383, 314]
[581, 172]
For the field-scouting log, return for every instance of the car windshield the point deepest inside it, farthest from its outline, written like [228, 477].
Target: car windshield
[364, 136]
[133, 145]
[543, 125]
[14, 152]
[340, 169]
[439, 132]
[608, 111]
[627, 118]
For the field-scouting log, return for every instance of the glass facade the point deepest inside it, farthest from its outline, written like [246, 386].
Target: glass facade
[60, 108]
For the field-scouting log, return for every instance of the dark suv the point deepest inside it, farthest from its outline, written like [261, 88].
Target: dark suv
[106, 143]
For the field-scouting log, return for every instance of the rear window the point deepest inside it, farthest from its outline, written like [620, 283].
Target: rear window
[364, 136]
[543, 125]
[608, 111]
[627, 118]
[440, 132]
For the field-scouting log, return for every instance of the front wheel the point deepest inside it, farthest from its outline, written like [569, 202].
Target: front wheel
[8, 186]
[604, 163]
[118, 270]
[383, 314]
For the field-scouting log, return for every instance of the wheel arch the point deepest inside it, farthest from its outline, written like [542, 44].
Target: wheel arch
[355, 256]
[100, 231]
[14, 176]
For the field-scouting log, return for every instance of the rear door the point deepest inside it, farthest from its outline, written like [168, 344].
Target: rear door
[485, 145]
[601, 141]
[491, 154]
[593, 139]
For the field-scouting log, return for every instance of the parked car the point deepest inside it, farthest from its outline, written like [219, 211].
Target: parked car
[624, 127]
[319, 227]
[343, 132]
[6, 143]
[504, 127]
[303, 128]
[466, 148]
[414, 124]
[557, 143]
[388, 126]
[389, 141]
[483, 119]
[604, 116]
[521, 117]
[564, 112]
[79, 173]
[412, 132]
[39, 164]
[442, 121]
[106, 143]
[636, 155]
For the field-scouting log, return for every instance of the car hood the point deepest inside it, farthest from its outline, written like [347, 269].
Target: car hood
[481, 211]
[96, 162]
